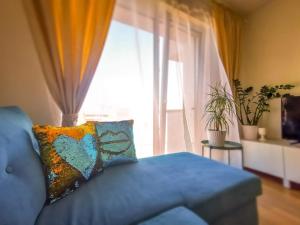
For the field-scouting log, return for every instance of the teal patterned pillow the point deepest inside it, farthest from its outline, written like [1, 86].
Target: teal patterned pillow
[115, 140]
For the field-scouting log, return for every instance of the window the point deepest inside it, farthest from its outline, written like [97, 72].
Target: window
[123, 83]
[122, 87]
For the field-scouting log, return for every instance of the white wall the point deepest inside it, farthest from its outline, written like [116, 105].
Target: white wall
[271, 53]
[21, 79]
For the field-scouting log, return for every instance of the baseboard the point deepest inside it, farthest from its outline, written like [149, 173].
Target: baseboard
[294, 185]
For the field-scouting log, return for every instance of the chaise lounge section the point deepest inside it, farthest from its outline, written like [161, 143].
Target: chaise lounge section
[177, 216]
[136, 193]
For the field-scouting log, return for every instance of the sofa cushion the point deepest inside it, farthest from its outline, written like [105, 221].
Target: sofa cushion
[131, 193]
[176, 216]
[116, 142]
[22, 184]
[70, 156]
[13, 115]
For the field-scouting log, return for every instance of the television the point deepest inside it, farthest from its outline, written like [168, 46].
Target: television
[290, 118]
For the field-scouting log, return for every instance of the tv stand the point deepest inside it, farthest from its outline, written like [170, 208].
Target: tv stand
[274, 157]
[294, 142]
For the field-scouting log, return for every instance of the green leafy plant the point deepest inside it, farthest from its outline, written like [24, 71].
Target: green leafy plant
[219, 108]
[250, 105]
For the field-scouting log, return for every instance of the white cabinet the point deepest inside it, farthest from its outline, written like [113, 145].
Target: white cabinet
[263, 157]
[276, 158]
[292, 163]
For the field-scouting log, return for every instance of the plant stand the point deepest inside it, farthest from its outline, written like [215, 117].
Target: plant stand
[228, 146]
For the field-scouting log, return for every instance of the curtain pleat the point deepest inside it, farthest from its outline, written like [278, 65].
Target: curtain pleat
[69, 36]
[227, 28]
[164, 85]
[160, 89]
[156, 90]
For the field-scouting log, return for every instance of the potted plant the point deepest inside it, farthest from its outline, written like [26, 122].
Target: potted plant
[219, 111]
[250, 105]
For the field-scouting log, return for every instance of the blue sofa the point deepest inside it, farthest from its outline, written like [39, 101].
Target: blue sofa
[176, 187]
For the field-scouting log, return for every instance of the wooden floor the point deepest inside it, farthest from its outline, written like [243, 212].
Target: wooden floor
[278, 205]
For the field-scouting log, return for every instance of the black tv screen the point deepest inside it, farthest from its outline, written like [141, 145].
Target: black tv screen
[290, 117]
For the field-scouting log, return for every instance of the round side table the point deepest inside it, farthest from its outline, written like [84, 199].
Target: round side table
[228, 146]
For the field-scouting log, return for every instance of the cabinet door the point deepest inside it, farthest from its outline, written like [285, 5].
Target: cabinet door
[264, 157]
[292, 163]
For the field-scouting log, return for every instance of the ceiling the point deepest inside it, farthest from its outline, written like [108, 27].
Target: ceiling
[243, 7]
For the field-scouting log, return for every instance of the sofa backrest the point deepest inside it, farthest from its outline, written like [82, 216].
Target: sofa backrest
[22, 183]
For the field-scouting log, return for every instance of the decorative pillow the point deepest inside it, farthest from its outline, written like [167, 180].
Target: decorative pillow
[115, 140]
[70, 157]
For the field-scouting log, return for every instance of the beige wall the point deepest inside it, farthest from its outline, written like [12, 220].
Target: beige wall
[271, 52]
[21, 78]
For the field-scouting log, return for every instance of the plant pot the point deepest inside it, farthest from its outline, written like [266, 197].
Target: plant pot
[216, 138]
[250, 132]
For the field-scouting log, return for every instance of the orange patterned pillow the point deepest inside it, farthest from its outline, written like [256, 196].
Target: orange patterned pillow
[70, 156]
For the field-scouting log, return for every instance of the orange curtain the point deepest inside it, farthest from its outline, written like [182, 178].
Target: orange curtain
[69, 36]
[227, 27]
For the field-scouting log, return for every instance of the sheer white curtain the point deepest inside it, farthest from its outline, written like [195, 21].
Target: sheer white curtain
[162, 59]
[189, 41]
